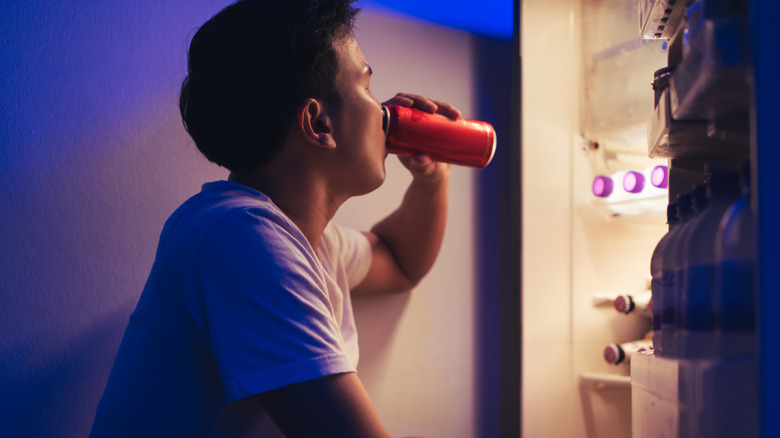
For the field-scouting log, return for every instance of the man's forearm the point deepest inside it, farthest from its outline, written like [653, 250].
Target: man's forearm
[414, 232]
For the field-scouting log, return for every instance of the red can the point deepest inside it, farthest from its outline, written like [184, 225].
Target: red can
[466, 142]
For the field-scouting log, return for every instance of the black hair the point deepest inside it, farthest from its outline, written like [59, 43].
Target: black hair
[249, 68]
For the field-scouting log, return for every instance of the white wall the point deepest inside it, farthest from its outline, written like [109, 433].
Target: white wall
[93, 160]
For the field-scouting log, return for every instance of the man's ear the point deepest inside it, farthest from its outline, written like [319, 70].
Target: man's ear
[316, 123]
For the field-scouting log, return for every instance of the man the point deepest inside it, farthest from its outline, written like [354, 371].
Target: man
[245, 325]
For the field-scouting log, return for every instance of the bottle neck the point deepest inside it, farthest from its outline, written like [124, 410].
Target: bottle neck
[684, 207]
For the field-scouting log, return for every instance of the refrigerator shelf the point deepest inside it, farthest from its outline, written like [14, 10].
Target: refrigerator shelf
[649, 210]
[660, 18]
[601, 380]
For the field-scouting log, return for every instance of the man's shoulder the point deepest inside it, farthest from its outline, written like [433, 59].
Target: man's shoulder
[221, 199]
[224, 211]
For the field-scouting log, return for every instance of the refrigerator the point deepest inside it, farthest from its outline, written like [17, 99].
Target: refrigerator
[629, 108]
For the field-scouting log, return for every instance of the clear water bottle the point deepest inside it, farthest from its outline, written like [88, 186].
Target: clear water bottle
[696, 311]
[699, 202]
[656, 273]
[671, 276]
[735, 289]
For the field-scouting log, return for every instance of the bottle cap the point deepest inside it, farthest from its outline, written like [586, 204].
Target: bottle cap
[633, 182]
[659, 177]
[671, 213]
[684, 205]
[700, 197]
[614, 354]
[624, 304]
[602, 186]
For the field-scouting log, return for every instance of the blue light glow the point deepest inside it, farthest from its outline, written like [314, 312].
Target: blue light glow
[488, 17]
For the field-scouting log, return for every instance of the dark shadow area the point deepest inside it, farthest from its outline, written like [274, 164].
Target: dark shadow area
[497, 361]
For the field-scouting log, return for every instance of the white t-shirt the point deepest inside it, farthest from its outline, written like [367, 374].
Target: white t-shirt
[237, 303]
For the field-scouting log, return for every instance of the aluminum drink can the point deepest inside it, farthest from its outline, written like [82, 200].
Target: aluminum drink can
[458, 141]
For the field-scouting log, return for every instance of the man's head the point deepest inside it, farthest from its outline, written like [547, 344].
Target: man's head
[251, 66]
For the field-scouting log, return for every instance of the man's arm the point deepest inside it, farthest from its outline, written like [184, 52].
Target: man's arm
[335, 406]
[405, 244]
[332, 406]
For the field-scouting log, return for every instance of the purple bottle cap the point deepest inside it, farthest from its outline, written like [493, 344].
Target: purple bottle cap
[659, 177]
[633, 182]
[602, 186]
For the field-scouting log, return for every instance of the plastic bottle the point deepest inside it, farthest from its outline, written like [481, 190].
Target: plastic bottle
[618, 353]
[670, 277]
[696, 311]
[656, 273]
[735, 290]
[698, 203]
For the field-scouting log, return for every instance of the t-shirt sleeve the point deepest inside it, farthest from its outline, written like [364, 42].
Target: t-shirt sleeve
[353, 249]
[259, 301]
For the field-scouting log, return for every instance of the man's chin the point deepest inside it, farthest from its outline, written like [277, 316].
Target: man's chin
[377, 183]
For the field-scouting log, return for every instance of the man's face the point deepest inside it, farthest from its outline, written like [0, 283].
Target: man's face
[360, 141]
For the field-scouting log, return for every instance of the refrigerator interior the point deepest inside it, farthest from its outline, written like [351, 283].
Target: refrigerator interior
[589, 111]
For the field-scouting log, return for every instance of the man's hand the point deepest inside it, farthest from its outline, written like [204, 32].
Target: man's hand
[425, 104]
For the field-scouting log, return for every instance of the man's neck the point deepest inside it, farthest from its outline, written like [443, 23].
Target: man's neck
[304, 200]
